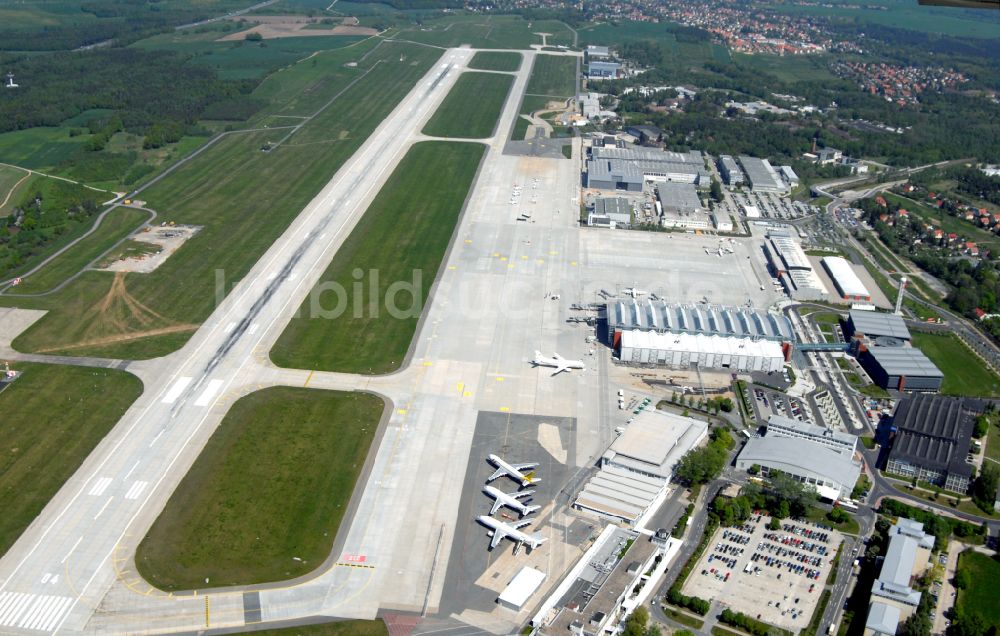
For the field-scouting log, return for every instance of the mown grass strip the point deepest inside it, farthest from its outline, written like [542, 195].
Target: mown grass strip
[264, 500]
[472, 107]
[53, 417]
[401, 238]
[496, 61]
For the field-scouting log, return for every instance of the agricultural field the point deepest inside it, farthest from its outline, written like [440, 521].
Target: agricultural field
[487, 32]
[118, 224]
[553, 76]
[496, 61]
[429, 186]
[964, 373]
[472, 107]
[266, 497]
[789, 68]
[40, 148]
[243, 199]
[53, 417]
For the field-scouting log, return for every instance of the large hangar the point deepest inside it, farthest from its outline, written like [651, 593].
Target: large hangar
[660, 316]
[681, 351]
[845, 279]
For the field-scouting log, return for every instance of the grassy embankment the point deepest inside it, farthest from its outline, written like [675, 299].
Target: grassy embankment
[264, 500]
[429, 187]
[964, 372]
[241, 197]
[53, 417]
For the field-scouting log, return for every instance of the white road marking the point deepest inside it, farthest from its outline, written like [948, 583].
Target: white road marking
[136, 489]
[253, 329]
[229, 328]
[32, 611]
[209, 393]
[65, 558]
[156, 438]
[293, 276]
[176, 390]
[100, 486]
[131, 470]
[103, 508]
[322, 236]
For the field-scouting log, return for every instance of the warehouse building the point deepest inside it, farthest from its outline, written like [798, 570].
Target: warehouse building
[653, 443]
[603, 70]
[655, 164]
[680, 206]
[789, 263]
[901, 368]
[712, 320]
[818, 457]
[893, 597]
[761, 175]
[845, 279]
[605, 174]
[721, 222]
[789, 175]
[597, 53]
[616, 209]
[681, 351]
[930, 438]
[875, 326]
[730, 171]
[635, 470]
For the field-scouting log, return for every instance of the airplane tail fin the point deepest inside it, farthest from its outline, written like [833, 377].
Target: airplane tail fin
[530, 478]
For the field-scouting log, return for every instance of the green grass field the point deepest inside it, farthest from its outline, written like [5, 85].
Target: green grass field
[272, 484]
[243, 199]
[472, 107]
[676, 54]
[341, 628]
[487, 32]
[241, 59]
[12, 181]
[53, 417]
[790, 68]
[40, 148]
[553, 76]
[116, 226]
[964, 373]
[427, 189]
[906, 15]
[496, 61]
[980, 597]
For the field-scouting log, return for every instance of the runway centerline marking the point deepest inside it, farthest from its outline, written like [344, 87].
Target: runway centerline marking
[65, 558]
[103, 508]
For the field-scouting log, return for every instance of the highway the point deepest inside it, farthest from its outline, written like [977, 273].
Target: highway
[59, 572]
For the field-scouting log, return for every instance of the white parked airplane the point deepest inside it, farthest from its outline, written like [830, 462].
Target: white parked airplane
[557, 361]
[514, 471]
[500, 531]
[634, 293]
[510, 500]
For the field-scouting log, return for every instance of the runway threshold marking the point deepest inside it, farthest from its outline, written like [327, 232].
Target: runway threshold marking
[175, 391]
[136, 489]
[100, 486]
[209, 393]
[32, 611]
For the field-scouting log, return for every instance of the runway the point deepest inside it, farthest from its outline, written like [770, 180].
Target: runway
[71, 570]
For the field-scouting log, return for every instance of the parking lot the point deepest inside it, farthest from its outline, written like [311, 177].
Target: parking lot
[767, 403]
[775, 576]
[773, 206]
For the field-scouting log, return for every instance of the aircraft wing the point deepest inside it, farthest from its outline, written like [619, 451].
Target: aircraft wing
[556, 356]
[523, 493]
[524, 467]
[560, 369]
[497, 504]
[522, 523]
[498, 536]
[500, 472]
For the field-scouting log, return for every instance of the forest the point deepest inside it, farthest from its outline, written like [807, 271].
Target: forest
[64, 25]
[144, 88]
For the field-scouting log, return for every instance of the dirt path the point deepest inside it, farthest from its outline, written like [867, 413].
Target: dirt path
[125, 337]
[10, 193]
